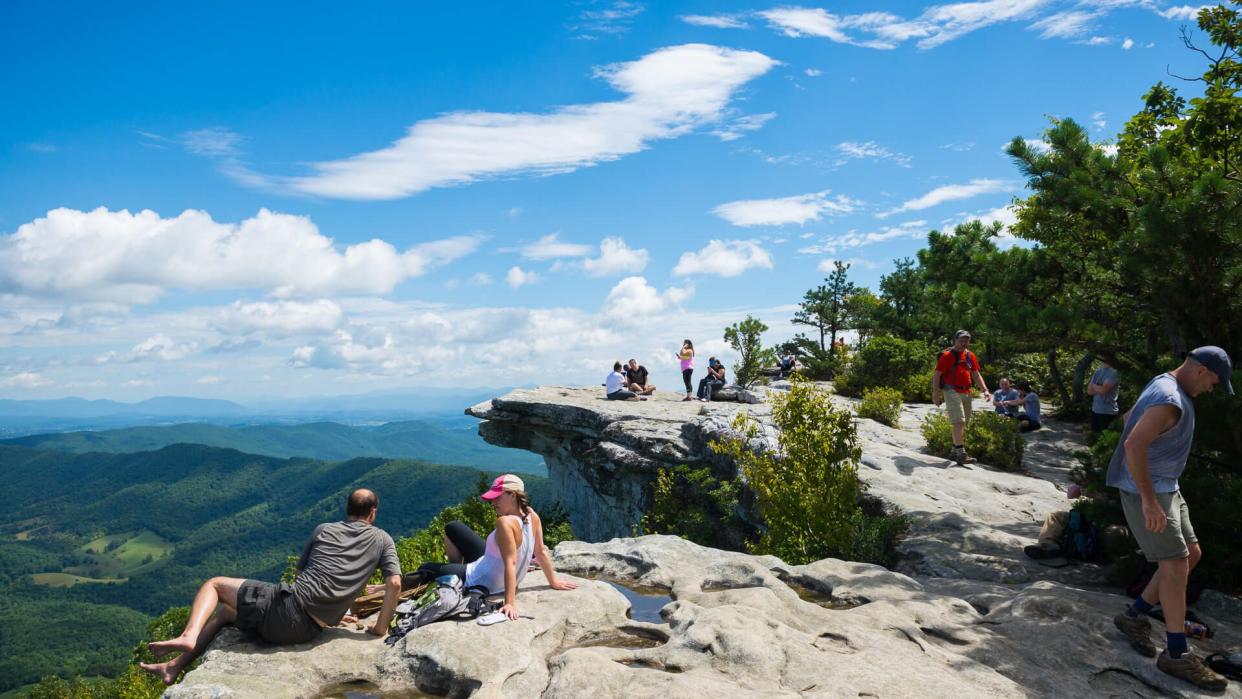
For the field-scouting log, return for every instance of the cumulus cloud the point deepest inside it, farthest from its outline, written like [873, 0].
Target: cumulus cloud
[550, 247]
[518, 277]
[951, 192]
[120, 257]
[776, 212]
[831, 245]
[481, 279]
[937, 24]
[669, 93]
[813, 72]
[281, 318]
[25, 379]
[159, 348]
[717, 21]
[1127, 44]
[724, 259]
[635, 301]
[615, 257]
[1186, 13]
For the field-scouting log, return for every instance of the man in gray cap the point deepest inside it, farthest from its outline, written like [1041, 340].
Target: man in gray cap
[1155, 444]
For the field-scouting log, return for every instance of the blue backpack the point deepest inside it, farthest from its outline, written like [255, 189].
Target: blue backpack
[1081, 538]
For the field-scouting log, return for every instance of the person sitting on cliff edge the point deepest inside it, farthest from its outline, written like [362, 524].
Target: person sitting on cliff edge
[335, 566]
[500, 563]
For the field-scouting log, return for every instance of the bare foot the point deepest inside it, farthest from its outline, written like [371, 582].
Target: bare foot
[167, 672]
[184, 644]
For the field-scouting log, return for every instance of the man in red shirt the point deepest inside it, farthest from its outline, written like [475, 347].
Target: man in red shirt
[957, 369]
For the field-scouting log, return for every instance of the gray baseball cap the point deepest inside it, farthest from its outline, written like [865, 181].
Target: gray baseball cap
[961, 333]
[1217, 361]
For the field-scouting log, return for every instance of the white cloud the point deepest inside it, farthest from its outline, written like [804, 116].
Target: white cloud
[550, 247]
[1097, 41]
[614, 19]
[481, 279]
[854, 239]
[669, 92]
[951, 192]
[615, 257]
[776, 212]
[813, 72]
[635, 301]
[959, 147]
[374, 346]
[1098, 119]
[155, 348]
[281, 318]
[738, 127]
[1188, 13]
[828, 266]
[937, 24]
[129, 258]
[1127, 44]
[518, 277]
[1071, 24]
[724, 259]
[25, 379]
[209, 380]
[717, 21]
[852, 150]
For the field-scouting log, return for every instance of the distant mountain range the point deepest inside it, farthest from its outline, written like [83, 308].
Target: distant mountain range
[26, 417]
[449, 440]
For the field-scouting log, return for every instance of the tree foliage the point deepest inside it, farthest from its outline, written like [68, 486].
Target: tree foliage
[746, 338]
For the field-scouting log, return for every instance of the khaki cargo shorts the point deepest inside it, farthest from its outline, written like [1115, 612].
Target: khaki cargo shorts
[1170, 544]
[957, 405]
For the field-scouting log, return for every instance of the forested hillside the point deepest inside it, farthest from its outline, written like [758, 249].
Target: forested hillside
[130, 535]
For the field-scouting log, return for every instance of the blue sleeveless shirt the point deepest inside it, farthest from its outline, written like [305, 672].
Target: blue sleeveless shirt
[1166, 457]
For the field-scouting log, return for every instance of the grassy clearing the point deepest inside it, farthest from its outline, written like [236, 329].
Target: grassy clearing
[68, 579]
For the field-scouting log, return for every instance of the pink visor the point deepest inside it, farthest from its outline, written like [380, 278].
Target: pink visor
[507, 482]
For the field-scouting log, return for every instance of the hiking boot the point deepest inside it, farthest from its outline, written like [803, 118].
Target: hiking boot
[1138, 631]
[957, 454]
[1191, 668]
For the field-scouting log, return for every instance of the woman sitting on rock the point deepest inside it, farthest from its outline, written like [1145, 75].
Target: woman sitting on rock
[501, 562]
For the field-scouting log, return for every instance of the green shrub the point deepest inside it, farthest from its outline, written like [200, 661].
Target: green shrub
[990, 438]
[886, 362]
[916, 388]
[696, 505]
[882, 405]
[806, 493]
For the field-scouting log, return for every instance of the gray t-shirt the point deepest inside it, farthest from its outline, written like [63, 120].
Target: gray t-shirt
[1012, 394]
[1166, 457]
[1105, 403]
[337, 562]
[1030, 406]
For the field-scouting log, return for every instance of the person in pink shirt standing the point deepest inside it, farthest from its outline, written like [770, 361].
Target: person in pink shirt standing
[686, 355]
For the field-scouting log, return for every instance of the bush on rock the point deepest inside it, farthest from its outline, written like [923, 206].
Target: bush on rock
[991, 438]
[882, 405]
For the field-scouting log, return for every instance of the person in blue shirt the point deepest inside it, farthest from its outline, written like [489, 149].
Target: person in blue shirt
[1005, 393]
[1029, 419]
[1149, 459]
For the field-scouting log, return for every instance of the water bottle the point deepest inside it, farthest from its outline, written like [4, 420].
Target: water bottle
[1197, 631]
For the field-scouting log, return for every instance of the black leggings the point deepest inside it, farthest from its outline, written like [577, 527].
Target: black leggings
[467, 542]
[685, 376]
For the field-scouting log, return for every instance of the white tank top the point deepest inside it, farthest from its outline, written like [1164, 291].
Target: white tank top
[489, 571]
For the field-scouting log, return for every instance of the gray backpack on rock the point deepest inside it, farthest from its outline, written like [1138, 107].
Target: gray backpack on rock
[449, 599]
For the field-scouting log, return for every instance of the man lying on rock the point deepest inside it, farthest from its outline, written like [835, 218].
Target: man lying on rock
[335, 566]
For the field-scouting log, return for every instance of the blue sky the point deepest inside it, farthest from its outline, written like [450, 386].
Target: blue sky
[239, 201]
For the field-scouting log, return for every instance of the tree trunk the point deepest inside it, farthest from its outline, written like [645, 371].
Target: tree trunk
[1058, 382]
[1080, 376]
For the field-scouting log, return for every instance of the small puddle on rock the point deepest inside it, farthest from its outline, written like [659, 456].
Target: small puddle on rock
[625, 641]
[645, 602]
[366, 690]
[822, 599]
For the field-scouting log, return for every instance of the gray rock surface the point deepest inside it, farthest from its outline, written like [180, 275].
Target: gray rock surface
[736, 625]
[967, 615]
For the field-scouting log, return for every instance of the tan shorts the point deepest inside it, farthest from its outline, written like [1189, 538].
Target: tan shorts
[957, 404]
[1170, 544]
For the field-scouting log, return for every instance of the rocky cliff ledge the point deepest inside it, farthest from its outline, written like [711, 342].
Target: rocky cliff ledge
[966, 522]
[967, 615]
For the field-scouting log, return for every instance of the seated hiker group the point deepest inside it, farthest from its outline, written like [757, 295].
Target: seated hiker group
[631, 381]
[341, 557]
